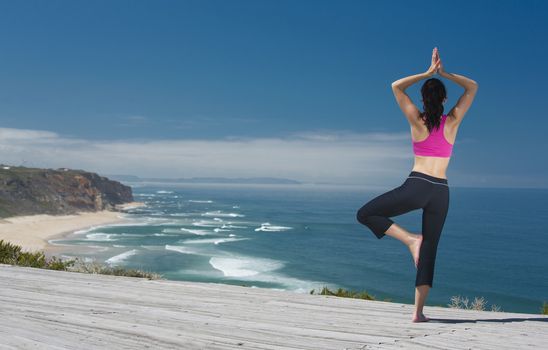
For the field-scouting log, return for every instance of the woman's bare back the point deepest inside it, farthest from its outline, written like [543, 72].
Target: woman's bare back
[435, 166]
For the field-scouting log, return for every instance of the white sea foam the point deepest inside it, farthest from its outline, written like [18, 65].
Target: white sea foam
[220, 229]
[223, 240]
[181, 249]
[221, 214]
[231, 235]
[267, 227]
[135, 223]
[163, 222]
[181, 214]
[232, 226]
[80, 232]
[145, 195]
[205, 223]
[244, 266]
[93, 228]
[196, 232]
[212, 240]
[135, 206]
[293, 284]
[99, 248]
[169, 230]
[199, 201]
[164, 192]
[118, 246]
[263, 270]
[121, 257]
[54, 242]
[129, 235]
[252, 269]
[164, 235]
[152, 247]
[100, 237]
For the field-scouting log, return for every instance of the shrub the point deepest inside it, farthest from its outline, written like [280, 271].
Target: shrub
[97, 268]
[8, 252]
[544, 309]
[458, 302]
[12, 254]
[345, 293]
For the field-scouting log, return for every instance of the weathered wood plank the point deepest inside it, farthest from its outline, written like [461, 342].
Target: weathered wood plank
[63, 310]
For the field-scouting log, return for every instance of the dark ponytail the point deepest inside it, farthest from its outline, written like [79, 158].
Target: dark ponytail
[433, 93]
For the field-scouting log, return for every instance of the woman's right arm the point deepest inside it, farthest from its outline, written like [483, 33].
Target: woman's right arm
[459, 79]
[465, 101]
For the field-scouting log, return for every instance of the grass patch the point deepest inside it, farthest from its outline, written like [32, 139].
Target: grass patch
[102, 269]
[544, 308]
[344, 293]
[479, 303]
[13, 254]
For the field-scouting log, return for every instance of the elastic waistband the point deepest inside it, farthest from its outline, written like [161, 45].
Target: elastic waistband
[428, 177]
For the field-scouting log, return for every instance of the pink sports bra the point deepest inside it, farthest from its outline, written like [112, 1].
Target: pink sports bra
[435, 145]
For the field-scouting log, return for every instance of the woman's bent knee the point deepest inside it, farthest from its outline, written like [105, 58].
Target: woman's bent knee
[377, 224]
[366, 218]
[362, 215]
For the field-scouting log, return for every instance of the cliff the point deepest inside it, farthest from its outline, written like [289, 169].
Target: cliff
[28, 191]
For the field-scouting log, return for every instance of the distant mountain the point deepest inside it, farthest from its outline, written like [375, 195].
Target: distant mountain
[218, 180]
[125, 178]
[28, 191]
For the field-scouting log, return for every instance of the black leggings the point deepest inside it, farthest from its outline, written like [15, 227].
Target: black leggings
[418, 191]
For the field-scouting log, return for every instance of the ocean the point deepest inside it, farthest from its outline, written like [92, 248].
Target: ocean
[303, 237]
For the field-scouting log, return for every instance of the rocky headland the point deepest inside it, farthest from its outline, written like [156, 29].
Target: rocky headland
[30, 191]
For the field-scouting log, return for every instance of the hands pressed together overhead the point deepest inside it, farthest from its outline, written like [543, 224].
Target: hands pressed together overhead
[436, 66]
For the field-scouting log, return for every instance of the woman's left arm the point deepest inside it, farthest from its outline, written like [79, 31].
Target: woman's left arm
[398, 88]
[407, 106]
[406, 82]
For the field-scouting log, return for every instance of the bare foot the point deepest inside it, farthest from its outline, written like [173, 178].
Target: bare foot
[420, 318]
[415, 248]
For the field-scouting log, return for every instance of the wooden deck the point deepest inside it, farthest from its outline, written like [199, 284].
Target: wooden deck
[43, 309]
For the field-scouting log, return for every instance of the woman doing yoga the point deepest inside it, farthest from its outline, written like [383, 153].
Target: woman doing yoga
[433, 135]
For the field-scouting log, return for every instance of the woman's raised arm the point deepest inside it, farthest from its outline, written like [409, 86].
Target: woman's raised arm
[406, 82]
[465, 101]
[463, 81]
[407, 106]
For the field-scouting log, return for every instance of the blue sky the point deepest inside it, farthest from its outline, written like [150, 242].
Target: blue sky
[297, 89]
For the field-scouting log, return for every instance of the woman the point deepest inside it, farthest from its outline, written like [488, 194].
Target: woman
[433, 135]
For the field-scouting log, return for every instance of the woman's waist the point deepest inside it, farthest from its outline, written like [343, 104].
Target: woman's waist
[433, 166]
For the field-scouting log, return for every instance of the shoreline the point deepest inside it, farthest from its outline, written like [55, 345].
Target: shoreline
[33, 232]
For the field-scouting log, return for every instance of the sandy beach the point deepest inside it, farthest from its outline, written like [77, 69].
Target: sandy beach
[32, 232]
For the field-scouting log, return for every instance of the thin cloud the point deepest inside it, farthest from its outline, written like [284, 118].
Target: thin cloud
[204, 121]
[133, 121]
[334, 136]
[8, 134]
[338, 157]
